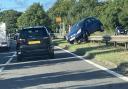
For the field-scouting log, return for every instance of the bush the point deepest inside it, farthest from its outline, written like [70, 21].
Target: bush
[123, 68]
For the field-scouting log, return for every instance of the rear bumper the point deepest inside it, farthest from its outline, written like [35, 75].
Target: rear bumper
[75, 37]
[30, 53]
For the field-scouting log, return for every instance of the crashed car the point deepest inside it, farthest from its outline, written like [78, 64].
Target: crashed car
[81, 30]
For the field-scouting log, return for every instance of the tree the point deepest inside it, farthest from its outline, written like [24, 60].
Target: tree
[34, 16]
[61, 8]
[110, 12]
[72, 11]
[10, 18]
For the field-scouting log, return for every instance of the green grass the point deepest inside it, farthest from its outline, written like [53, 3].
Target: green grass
[98, 51]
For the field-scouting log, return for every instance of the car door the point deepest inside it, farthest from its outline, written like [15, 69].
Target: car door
[88, 26]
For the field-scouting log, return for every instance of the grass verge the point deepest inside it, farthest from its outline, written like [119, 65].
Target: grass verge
[105, 55]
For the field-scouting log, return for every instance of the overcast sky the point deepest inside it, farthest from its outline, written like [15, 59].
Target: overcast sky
[21, 5]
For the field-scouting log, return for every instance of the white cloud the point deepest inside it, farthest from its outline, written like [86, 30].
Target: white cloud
[20, 2]
[21, 5]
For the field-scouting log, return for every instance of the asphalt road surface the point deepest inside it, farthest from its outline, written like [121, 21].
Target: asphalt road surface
[64, 72]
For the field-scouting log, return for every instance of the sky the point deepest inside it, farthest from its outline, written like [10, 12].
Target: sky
[22, 5]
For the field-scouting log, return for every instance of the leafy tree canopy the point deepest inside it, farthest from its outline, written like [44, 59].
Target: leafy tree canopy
[110, 12]
[34, 16]
[10, 18]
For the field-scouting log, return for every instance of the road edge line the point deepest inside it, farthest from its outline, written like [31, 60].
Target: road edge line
[10, 59]
[12, 64]
[98, 66]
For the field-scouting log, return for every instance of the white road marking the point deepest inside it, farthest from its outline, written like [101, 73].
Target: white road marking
[6, 53]
[47, 60]
[98, 66]
[10, 59]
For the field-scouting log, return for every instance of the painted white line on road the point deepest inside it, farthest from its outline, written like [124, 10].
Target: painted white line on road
[6, 53]
[98, 66]
[47, 60]
[10, 59]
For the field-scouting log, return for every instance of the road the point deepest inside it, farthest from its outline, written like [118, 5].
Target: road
[66, 71]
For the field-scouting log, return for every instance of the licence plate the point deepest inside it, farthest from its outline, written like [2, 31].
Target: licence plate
[33, 42]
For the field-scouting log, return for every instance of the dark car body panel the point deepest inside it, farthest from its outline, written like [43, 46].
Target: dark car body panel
[34, 42]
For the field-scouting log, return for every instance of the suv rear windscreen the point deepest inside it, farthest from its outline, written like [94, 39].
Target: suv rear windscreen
[33, 33]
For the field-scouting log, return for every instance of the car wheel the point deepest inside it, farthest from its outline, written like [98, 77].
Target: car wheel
[51, 55]
[19, 58]
[8, 48]
[79, 41]
[71, 42]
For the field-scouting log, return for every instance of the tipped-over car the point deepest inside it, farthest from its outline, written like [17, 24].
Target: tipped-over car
[34, 42]
[81, 30]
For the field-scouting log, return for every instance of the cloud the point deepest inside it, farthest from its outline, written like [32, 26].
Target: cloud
[20, 2]
[1, 6]
[21, 5]
[48, 3]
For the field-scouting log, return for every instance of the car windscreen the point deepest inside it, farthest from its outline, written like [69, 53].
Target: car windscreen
[75, 28]
[33, 33]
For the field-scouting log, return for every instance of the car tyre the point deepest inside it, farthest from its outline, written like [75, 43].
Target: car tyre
[71, 42]
[78, 41]
[19, 58]
[8, 48]
[52, 56]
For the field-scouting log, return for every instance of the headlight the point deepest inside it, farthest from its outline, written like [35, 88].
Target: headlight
[79, 31]
[72, 38]
[73, 35]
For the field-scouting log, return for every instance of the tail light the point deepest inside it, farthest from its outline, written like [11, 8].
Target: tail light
[21, 41]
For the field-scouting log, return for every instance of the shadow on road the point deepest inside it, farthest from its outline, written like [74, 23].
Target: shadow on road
[61, 77]
[41, 63]
[59, 55]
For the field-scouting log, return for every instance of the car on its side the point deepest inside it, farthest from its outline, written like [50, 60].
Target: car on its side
[34, 42]
[82, 29]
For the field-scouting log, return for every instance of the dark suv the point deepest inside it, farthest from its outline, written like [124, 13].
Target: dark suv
[34, 42]
[120, 31]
